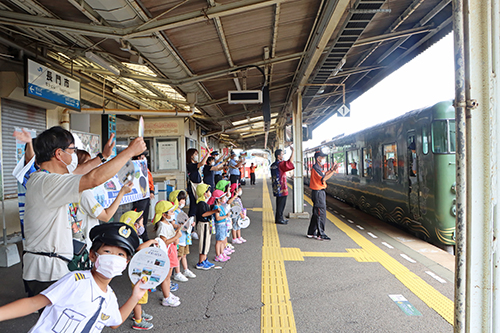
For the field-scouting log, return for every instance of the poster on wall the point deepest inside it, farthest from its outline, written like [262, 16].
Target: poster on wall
[167, 155]
[89, 142]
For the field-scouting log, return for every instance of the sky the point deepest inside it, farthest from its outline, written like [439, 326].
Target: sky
[426, 80]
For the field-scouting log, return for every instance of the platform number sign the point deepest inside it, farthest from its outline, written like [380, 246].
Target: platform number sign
[344, 111]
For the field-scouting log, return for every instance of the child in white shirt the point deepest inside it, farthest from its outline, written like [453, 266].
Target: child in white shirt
[167, 234]
[83, 301]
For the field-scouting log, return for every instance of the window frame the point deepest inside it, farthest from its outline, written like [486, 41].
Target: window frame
[396, 173]
[363, 166]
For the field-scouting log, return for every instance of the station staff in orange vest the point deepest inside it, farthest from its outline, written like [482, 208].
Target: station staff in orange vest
[318, 187]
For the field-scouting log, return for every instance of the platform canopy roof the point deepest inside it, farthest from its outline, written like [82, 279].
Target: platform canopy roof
[156, 52]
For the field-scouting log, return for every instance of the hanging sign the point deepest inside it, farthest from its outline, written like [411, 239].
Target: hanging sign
[49, 85]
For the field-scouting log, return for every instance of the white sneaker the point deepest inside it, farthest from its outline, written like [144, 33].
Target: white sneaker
[179, 277]
[189, 274]
[236, 241]
[173, 296]
[194, 235]
[170, 301]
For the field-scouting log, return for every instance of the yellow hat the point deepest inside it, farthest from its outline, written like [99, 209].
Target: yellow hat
[201, 189]
[163, 207]
[130, 217]
[173, 196]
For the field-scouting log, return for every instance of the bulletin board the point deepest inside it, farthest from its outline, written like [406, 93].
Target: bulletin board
[167, 151]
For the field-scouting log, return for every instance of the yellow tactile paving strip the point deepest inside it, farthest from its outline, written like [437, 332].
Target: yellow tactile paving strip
[276, 312]
[428, 294]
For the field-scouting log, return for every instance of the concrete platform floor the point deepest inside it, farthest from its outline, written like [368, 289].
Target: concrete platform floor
[280, 280]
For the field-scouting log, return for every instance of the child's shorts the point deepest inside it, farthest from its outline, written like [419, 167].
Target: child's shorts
[183, 250]
[236, 226]
[220, 231]
[172, 255]
[144, 299]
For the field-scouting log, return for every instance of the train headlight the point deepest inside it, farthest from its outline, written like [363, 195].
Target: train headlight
[454, 210]
[454, 188]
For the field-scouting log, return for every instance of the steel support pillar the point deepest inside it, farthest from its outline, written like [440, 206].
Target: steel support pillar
[298, 181]
[482, 227]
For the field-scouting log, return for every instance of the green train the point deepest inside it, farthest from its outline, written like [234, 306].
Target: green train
[401, 171]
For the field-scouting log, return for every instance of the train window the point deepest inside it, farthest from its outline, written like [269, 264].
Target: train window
[367, 162]
[390, 161]
[340, 159]
[443, 136]
[451, 134]
[425, 140]
[352, 162]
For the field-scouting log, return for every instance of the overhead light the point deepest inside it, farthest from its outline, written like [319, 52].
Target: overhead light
[370, 11]
[338, 68]
[101, 62]
[131, 98]
[322, 90]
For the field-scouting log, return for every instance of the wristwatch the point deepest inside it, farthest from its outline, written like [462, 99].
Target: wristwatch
[101, 157]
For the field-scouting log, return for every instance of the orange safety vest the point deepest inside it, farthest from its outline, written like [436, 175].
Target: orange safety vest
[317, 182]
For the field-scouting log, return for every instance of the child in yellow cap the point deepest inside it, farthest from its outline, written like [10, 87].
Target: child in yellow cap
[135, 220]
[169, 234]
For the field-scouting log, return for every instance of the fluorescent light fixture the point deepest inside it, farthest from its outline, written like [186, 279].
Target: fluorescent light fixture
[369, 11]
[131, 98]
[101, 62]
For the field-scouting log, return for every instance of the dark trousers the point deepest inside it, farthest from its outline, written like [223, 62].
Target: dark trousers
[234, 179]
[143, 206]
[318, 219]
[252, 178]
[217, 178]
[192, 201]
[280, 207]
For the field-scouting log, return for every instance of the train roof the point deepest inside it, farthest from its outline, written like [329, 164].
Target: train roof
[409, 114]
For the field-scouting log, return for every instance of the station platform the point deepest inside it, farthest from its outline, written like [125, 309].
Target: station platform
[370, 277]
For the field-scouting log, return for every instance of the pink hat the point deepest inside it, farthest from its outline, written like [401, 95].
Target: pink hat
[234, 186]
[218, 194]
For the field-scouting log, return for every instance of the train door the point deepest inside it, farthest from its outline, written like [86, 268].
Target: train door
[413, 179]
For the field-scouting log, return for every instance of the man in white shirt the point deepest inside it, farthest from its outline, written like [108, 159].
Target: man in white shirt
[48, 237]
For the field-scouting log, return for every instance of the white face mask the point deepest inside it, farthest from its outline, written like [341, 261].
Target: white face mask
[240, 193]
[181, 206]
[209, 195]
[195, 158]
[74, 162]
[213, 163]
[110, 265]
[140, 230]
[223, 200]
[322, 162]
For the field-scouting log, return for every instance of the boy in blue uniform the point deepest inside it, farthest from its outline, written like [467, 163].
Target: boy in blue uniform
[83, 301]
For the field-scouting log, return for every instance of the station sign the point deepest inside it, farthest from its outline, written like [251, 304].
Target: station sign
[344, 111]
[52, 86]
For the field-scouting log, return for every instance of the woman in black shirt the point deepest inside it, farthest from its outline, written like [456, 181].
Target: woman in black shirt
[209, 172]
[193, 174]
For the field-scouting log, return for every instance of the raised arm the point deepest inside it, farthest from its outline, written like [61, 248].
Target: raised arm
[204, 160]
[94, 163]
[106, 171]
[25, 136]
[108, 213]
[291, 156]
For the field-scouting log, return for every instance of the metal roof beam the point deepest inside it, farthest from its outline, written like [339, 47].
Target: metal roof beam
[58, 25]
[213, 75]
[333, 12]
[195, 17]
